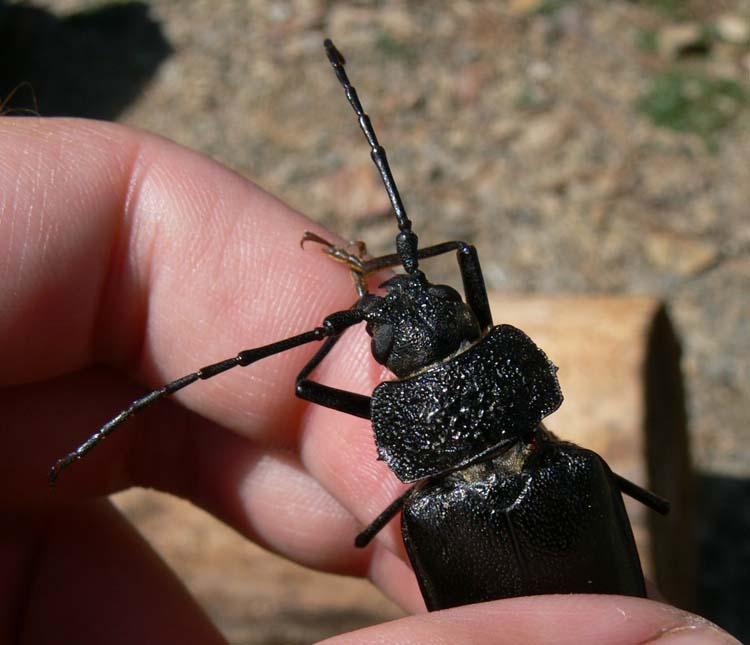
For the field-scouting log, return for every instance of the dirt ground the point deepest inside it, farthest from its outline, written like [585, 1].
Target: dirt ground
[584, 147]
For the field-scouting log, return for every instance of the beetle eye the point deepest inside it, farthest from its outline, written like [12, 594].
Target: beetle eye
[445, 292]
[382, 342]
[390, 282]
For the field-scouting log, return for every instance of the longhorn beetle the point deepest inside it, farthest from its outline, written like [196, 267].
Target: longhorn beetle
[499, 506]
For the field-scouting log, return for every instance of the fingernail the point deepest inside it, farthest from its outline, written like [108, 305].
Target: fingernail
[693, 635]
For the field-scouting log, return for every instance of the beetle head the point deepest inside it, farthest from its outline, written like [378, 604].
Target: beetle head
[416, 323]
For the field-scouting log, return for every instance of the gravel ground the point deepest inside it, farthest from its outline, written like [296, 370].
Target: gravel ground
[514, 125]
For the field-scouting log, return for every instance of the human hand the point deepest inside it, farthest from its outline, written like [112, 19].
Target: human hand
[128, 262]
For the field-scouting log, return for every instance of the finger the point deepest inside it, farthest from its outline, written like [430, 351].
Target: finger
[83, 575]
[395, 578]
[266, 494]
[562, 620]
[102, 229]
[103, 226]
[133, 217]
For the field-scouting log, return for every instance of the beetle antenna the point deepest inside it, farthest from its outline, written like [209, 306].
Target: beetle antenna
[406, 242]
[333, 325]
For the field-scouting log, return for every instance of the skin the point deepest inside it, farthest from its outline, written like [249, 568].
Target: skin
[128, 261]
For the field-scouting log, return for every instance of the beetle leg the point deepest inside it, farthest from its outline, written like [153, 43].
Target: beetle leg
[366, 536]
[645, 497]
[352, 403]
[355, 261]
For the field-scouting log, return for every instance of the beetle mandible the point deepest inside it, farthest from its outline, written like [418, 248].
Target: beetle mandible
[499, 506]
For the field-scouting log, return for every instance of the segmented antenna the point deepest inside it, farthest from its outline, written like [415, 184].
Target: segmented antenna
[406, 242]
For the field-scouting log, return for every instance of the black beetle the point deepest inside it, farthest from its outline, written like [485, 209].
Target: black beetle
[500, 507]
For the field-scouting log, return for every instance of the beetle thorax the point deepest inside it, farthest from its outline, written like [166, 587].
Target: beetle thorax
[417, 323]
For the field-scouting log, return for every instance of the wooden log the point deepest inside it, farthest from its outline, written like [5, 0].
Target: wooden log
[619, 371]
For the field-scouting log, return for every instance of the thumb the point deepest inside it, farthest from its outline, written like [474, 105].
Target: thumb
[563, 620]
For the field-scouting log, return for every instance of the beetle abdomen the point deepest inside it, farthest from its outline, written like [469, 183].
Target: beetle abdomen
[459, 410]
[556, 525]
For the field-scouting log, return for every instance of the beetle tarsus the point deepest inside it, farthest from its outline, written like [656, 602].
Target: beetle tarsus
[356, 262]
[309, 236]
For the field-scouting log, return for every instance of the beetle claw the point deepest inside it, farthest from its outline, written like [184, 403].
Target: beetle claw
[354, 260]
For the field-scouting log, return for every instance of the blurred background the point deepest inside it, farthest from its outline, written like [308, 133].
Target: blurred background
[585, 148]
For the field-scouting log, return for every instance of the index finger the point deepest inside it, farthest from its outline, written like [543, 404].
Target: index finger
[124, 249]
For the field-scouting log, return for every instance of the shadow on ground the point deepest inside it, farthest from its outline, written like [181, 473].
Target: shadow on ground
[89, 64]
[724, 552]
[711, 574]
